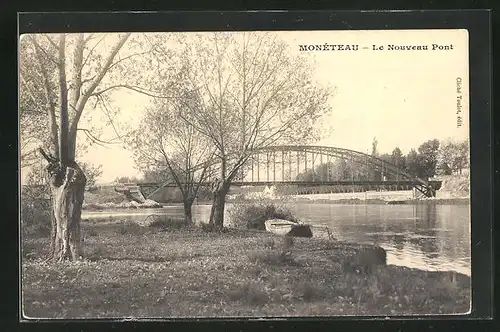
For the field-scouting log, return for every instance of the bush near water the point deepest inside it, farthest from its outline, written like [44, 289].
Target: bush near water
[254, 215]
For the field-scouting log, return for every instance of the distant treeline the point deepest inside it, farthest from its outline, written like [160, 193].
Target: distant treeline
[430, 159]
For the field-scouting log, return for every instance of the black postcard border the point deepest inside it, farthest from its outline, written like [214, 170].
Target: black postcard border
[478, 24]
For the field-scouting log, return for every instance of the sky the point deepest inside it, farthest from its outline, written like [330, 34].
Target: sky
[401, 97]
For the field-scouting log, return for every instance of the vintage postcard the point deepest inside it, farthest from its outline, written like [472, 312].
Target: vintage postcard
[245, 174]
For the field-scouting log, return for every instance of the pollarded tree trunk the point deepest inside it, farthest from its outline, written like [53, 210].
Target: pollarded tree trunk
[68, 188]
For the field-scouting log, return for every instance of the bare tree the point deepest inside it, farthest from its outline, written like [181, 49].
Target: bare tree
[65, 100]
[252, 94]
[163, 140]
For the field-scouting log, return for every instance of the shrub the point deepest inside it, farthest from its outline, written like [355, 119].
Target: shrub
[167, 223]
[37, 230]
[253, 216]
[130, 227]
[36, 211]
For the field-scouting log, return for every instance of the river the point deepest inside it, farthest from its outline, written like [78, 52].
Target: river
[425, 236]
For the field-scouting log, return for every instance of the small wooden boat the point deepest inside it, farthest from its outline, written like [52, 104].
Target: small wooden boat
[288, 228]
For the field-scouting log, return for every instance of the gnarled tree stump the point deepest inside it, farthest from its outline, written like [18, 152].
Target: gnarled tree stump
[68, 187]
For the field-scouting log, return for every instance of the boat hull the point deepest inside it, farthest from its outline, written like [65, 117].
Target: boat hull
[288, 228]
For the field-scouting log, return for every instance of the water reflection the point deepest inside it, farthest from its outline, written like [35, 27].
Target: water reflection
[432, 237]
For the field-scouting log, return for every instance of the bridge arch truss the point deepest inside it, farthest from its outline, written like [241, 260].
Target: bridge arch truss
[310, 156]
[283, 153]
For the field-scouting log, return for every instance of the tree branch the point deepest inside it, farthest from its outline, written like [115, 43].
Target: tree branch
[87, 94]
[77, 71]
[128, 57]
[172, 171]
[111, 121]
[92, 50]
[53, 43]
[41, 49]
[64, 153]
[133, 88]
[94, 139]
[50, 159]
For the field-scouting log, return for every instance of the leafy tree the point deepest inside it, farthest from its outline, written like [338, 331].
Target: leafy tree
[248, 93]
[398, 160]
[428, 158]
[341, 170]
[338, 170]
[51, 60]
[320, 172]
[412, 162]
[374, 147]
[65, 78]
[382, 174]
[453, 156]
[375, 174]
[443, 168]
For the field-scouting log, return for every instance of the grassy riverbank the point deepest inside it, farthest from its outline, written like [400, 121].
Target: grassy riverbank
[137, 271]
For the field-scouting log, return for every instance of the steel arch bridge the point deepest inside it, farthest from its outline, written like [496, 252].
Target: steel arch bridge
[277, 165]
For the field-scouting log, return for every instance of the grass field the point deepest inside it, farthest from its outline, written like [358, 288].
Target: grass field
[134, 271]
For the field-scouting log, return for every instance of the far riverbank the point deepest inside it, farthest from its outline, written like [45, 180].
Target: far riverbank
[353, 201]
